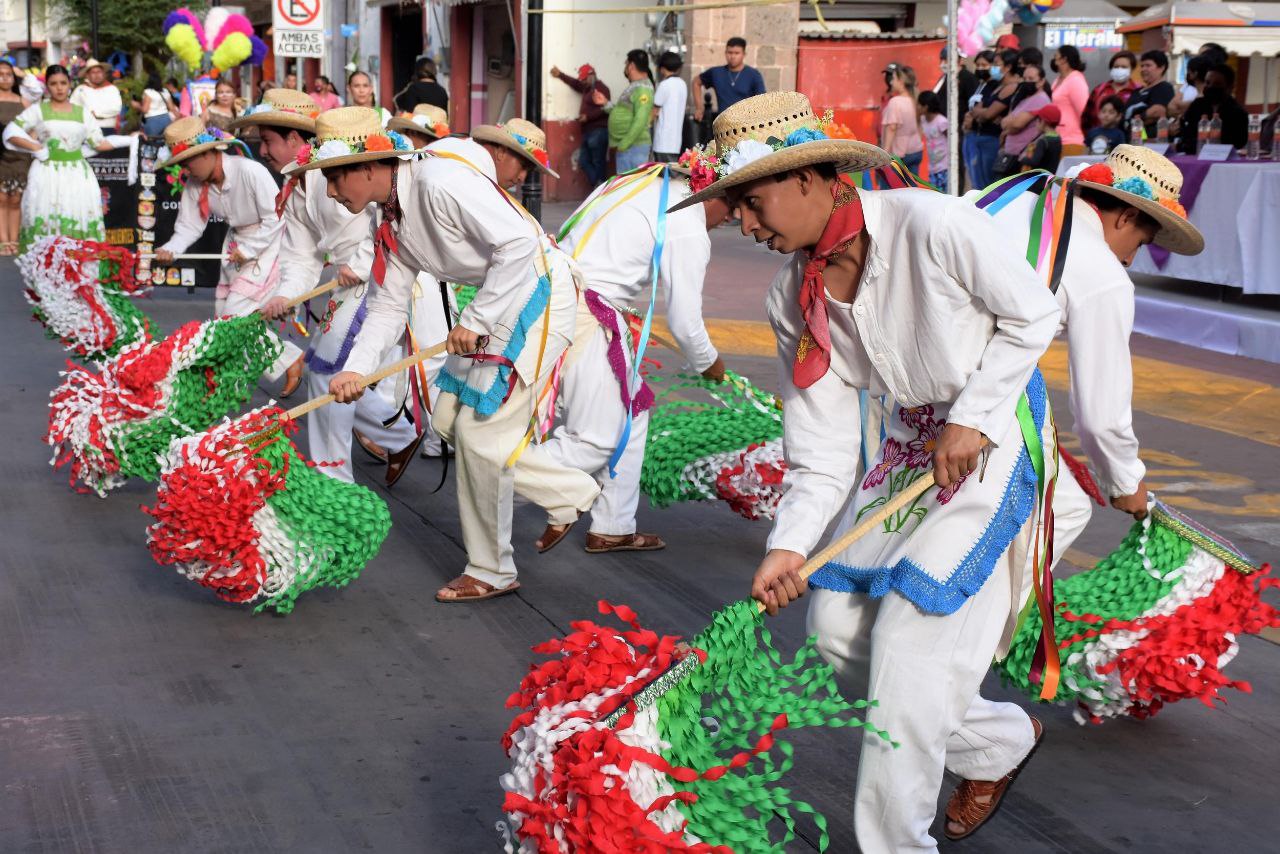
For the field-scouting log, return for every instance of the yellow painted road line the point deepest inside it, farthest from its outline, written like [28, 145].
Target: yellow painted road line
[1227, 404]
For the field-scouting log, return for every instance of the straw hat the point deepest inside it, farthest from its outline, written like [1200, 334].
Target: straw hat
[350, 135]
[286, 108]
[188, 137]
[522, 137]
[773, 133]
[426, 119]
[1151, 183]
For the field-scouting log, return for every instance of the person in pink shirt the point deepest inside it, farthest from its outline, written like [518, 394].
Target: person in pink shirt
[322, 93]
[900, 123]
[1071, 95]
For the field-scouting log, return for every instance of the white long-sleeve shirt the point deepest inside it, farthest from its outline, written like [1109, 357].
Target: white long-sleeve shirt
[315, 228]
[616, 259]
[457, 227]
[1096, 298]
[246, 201]
[948, 311]
[103, 104]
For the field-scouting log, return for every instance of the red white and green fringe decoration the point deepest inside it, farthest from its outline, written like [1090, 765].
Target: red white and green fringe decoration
[1154, 622]
[117, 423]
[239, 510]
[628, 743]
[728, 449]
[80, 291]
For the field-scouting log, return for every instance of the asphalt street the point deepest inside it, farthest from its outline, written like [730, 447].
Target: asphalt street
[140, 714]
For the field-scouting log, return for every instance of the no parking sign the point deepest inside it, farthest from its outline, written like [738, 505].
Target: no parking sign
[298, 27]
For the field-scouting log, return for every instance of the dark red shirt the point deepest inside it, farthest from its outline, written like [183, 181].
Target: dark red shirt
[596, 117]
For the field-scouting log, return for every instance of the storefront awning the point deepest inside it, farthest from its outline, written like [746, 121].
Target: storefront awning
[1243, 28]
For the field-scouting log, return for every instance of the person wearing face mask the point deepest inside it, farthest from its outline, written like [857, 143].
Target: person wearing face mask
[1020, 127]
[1119, 84]
[981, 138]
[1070, 95]
[1216, 100]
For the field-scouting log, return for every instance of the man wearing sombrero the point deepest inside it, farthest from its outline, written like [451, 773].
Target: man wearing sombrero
[317, 230]
[444, 217]
[612, 236]
[916, 295]
[98, 96]
[516, 147]
[426, 124]
[242, 193]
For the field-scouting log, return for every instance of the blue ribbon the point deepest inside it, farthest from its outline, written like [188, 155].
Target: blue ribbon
[633, 383]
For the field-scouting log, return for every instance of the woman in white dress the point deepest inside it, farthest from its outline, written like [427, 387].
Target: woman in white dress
[62, 195]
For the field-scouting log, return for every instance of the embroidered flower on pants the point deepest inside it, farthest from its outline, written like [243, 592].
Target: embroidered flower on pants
[920, 449]
[949, 493]
[890, 458]
[915, 417]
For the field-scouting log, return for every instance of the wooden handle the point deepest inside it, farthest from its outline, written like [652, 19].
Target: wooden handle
[863, 528]
[323, 289]
[408, 361]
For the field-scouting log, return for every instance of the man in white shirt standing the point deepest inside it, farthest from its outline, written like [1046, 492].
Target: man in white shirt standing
[99, 97]
[612, 237]
[669, 103]
[446, 217]
[919, 296]
[1106, 228]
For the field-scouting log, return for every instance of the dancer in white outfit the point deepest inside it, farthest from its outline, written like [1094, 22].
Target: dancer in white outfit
[611, 236]
[316, 229]
[919, 296]
[446, 218]
[241, 192]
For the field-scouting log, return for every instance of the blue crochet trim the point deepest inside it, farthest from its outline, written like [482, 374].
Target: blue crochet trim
[320, 366]
[923, 590]
[487, 403]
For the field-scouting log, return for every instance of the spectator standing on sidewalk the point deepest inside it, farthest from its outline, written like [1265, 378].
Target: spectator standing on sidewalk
[669, 104]
[629, 116]
[900, 121]
[592, 120]
[731, 82]
[423, 89]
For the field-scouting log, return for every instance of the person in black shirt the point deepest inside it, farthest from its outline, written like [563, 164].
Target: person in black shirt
[1151, 102]
[967, 84]
[1217, 98]
[423, 89]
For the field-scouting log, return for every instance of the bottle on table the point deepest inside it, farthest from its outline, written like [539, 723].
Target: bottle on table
[1162, 129]
[1215, 129]
[1202, 133]
[1254, 148]
[1135, 131]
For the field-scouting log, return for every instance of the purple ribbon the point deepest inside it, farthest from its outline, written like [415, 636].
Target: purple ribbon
[1194, 171]
[607, 316]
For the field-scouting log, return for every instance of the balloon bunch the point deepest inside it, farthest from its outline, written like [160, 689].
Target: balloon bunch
[978, 20]
[223, 41]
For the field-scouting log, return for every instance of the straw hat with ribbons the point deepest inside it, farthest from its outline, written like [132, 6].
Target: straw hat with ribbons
[426, 119]
[769, 134]
[1151, 183]
[522, 137]
[188, 137]
[286, 108]
[350, 135]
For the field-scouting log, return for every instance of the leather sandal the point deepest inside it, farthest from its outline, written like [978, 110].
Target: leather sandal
[464, 588]
[601, 543]
[370, 447]
[975, 801]
[292, 379]
[399, 461]
[552, 536]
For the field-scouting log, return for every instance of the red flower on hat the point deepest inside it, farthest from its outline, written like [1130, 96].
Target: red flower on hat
[1098, 173]
[378, 142]
[541, 157]
[304, 155]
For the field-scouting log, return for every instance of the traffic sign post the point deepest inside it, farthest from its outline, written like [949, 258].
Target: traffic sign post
[298, 27]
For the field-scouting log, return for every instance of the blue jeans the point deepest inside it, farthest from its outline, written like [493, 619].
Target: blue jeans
[155, 125]
[913, 161]
[633, 158]
[938, 178]
[595, 151]
[979, 157]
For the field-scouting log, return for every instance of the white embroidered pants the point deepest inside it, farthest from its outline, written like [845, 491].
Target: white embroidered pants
[592, 417]
[329, 427]
[486, 486]
[925, 671]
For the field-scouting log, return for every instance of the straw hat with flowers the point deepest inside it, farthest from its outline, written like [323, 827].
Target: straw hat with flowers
[426, 119]
[350, 135]
[285, 108]
[769, 134]
[522, 137]
[188, 137]
[1152, 184]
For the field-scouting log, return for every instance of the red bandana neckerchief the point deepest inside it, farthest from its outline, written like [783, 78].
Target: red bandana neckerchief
[283, 196]
[384, 239]
[813, 355]
[204, 200]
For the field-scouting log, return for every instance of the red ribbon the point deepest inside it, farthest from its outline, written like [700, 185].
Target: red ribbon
[813, 355]
[283, 196]
[204, 200]
[384, 241]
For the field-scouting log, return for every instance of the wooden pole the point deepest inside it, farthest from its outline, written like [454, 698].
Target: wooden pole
[407, 362]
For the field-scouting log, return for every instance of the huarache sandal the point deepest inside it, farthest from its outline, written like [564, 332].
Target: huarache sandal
[552, 536]
[975, 801]
[601, 543]
[464, 588]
